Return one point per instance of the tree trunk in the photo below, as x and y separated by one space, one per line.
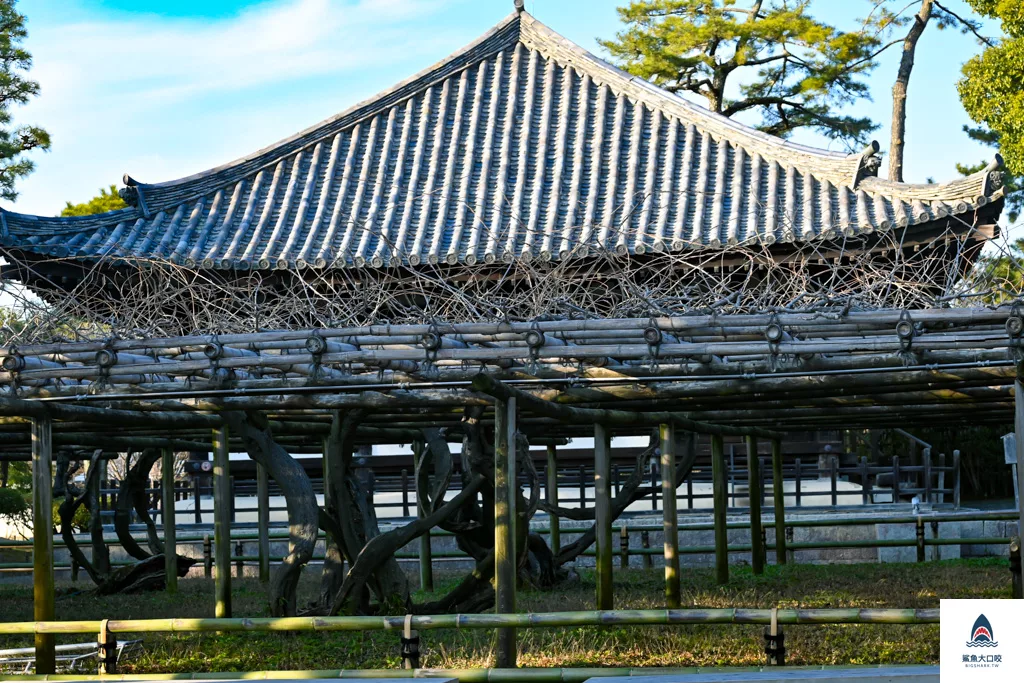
132 497
899 91
300 502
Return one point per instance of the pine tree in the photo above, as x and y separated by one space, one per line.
15 89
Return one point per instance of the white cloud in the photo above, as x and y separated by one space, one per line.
165 97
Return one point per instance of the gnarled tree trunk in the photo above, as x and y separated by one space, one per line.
300 502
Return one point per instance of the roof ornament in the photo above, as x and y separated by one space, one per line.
994 179
868 163
131 194
520 6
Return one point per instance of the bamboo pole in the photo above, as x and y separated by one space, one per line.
603 516
721 502
504 533
779 497
660 617
754 492
169 518
222 522
551 493
263 521
670 516
42 533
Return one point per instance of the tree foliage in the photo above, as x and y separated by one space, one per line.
106 200
796 71
991 89
15 89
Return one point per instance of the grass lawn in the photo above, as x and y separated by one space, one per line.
864 585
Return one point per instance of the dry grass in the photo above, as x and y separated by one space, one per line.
867 585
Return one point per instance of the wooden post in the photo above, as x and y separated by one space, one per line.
222 522
895 479
603 515
833 476
645 543
1016 583
721 504
754 494
670 515
583 486
426 562
920 539
551 493
940 480
865 486
654 488
263 521
405 493
624 547
797 481
779 497
927 497
169 519
1018 415
504 530
198 495
42 534
956 480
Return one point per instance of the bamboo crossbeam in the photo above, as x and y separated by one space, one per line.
488 385
486 621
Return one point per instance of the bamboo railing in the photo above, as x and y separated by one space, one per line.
422 622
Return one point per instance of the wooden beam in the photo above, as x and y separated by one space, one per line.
603 515
426 561
222 522
42 534
779 497
504 531
671 516
721 502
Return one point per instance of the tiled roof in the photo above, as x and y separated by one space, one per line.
522 145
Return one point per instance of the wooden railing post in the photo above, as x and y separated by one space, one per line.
623 547
42 535
833 475
895 479
865 480
797 480
1016 583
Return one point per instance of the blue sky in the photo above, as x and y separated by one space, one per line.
165 89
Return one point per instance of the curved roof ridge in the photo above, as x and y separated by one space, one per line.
541 35
162 195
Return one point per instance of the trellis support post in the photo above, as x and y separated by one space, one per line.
504 527
551 493
754 493
263 521
670 518
222 522
42 533
779 497
169 519
721 504
603 515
